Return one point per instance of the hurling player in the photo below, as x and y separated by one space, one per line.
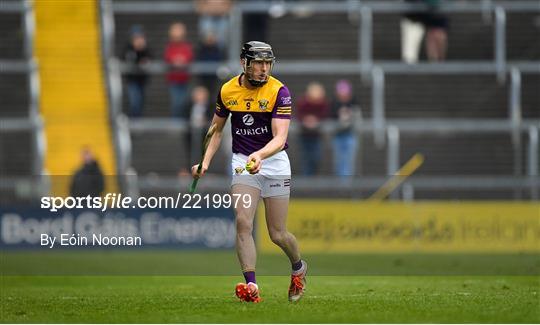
260 110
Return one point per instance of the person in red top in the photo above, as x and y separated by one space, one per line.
313 108
178 54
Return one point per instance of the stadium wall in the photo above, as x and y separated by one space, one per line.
397 227
322 226
23 228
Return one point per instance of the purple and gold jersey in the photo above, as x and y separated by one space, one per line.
252 111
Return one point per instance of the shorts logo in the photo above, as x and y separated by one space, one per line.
263 104
239 170
248 119
287 182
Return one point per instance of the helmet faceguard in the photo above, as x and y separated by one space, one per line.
256 51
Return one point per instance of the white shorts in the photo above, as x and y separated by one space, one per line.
274 178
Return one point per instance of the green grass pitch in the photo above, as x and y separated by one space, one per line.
209 299
363 288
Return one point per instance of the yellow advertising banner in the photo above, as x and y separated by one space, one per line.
366 227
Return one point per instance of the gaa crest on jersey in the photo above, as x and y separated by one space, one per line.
263 104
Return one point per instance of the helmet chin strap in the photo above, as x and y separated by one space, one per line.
257 83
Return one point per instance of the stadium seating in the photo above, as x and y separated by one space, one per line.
438 96
15 146
446 96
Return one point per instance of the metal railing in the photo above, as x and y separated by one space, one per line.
118 121
393 132
500 42
514 104
28 66
532 154
532 183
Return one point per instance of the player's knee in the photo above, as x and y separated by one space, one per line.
278 237
244 226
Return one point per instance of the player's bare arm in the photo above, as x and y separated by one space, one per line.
212 146
280 130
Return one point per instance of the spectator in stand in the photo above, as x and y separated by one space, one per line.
88 179
136 54
311 110
178 54
209 52
346 111
200 115
432 23
200 109
214 19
